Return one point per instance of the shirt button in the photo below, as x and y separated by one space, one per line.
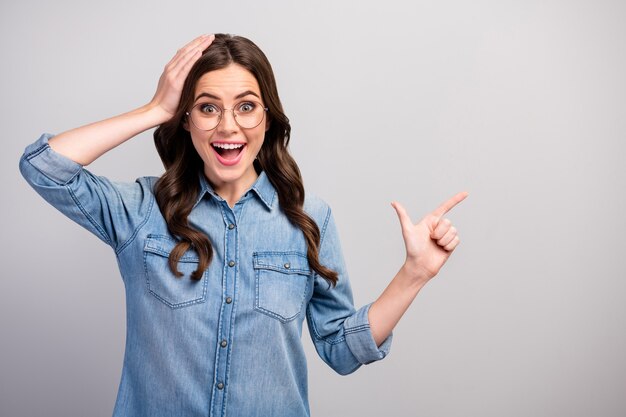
220 386
231 226
231 263
229 300
223 343
287 265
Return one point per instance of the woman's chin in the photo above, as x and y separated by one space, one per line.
233 176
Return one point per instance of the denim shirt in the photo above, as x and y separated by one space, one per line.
228 344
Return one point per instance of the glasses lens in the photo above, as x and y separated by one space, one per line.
248 114
205 116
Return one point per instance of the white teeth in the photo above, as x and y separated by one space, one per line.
227 145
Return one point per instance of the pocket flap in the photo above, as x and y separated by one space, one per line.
285 262
163 245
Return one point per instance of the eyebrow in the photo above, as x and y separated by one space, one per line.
240 95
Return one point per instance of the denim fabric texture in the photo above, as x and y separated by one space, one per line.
230 343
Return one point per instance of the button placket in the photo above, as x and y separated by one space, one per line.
228 287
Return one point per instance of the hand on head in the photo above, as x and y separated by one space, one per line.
172 79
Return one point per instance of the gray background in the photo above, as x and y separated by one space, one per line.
523 104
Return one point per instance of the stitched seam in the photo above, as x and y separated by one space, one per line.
259 264
220 322
233 314
313 326
143 222
322 236
357 329
290 271
324 227
274 315
199 198
36 152
91 219
260 195
170 304
32 155
186 258
317 334
257 303
273 198
287 252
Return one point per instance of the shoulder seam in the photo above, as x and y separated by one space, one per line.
141 224
323 231
88 216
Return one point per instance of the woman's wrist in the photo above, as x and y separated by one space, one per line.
155 113
414 273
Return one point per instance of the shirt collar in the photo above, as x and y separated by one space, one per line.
265 190
262 187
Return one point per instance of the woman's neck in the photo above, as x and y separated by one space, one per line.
233 191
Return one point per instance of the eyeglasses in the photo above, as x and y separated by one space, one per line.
207 116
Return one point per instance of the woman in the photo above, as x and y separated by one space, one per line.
223 257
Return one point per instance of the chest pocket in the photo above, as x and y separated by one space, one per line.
281 285
173 291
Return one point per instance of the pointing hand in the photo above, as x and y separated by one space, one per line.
430 242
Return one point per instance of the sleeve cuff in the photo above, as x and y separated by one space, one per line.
360 340
55 166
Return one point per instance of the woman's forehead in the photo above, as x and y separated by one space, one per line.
227 83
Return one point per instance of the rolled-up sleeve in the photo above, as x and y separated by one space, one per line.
111 211
341 334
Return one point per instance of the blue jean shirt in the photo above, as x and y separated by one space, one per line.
230 343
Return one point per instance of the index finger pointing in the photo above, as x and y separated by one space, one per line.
448 205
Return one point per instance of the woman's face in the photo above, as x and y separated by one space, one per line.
229 150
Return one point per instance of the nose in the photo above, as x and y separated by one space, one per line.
228 122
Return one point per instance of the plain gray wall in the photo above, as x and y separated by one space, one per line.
521 103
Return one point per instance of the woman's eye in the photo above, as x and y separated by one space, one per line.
208 109
246 107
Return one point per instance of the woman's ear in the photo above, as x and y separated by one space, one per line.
267 125
185 124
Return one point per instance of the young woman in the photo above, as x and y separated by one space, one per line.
223 256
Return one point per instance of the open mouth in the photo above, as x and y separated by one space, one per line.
228 153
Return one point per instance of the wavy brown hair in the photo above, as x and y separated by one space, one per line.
177 189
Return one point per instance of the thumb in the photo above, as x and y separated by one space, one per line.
403 216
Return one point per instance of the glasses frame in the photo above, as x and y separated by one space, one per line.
223 111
